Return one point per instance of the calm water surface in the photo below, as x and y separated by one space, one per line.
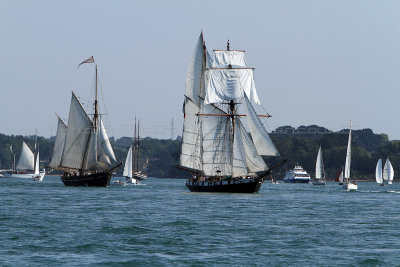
160 223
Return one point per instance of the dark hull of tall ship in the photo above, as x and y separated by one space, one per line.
249 185
100 179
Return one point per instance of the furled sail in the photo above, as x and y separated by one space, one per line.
216 142
378 172
77 138
191 137
348 157
26 160
128 164
59 144
319 165
261 139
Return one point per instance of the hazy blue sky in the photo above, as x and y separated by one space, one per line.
316 62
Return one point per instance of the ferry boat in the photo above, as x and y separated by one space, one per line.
297 175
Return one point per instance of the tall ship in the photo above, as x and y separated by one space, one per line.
82 149
217 149
297 175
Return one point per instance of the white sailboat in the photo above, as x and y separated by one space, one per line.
347 183
37 174
378 173
28 163
319 170
128 168
388 172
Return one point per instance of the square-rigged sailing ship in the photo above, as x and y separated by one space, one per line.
216 147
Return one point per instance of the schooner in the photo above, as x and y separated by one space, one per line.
216 147
82 148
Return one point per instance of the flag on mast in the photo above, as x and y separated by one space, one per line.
89 60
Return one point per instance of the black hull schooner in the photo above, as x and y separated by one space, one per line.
82 149
101 179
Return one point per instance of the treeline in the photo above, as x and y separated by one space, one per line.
160 157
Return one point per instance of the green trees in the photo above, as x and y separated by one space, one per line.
159 158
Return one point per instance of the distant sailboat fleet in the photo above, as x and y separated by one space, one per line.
221 151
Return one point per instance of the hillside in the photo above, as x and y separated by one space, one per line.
299 145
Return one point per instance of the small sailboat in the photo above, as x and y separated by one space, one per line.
378 173
319 170
82 148
348 184
27 163
388 172
128 168
216 148
138 174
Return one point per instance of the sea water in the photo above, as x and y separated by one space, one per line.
161 223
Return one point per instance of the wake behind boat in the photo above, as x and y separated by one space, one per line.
216 147
82 148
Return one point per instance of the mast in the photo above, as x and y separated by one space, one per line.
96 114
134 149
138 147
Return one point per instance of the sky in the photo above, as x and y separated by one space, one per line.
316 61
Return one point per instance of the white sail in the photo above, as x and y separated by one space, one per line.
105 142
348 157
261 139
90 160
216 142
230 84
388 171
59 144
194 75
78 133
341 177
36 170
128 164
391 173
319 165
254 161
191 137
224 58
378 172
26 160
239 166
